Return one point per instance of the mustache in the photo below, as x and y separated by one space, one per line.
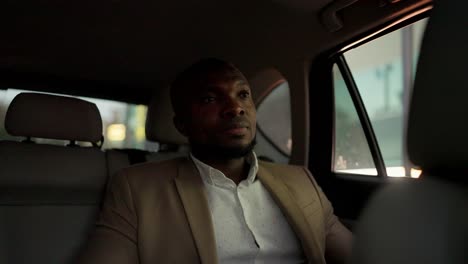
237 122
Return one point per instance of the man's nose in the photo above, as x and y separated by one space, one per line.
233 109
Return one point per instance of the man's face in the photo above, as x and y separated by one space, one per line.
221 114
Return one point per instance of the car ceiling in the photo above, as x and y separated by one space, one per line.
122 49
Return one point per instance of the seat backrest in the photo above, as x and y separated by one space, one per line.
426 220
49 194
160 128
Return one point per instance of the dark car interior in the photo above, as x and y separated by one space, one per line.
305 62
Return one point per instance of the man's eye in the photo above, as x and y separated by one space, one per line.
245 94
208 99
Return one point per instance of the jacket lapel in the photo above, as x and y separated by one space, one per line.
280 193
191 190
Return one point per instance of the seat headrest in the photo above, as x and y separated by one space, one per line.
263 82
437 130
53 117
159 125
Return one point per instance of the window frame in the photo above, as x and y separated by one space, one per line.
321 70
363 117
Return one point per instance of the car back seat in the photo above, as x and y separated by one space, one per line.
49 194
160 128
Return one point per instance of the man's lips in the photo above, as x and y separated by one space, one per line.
236 129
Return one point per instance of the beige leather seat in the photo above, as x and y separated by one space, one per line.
49 194
160 128
426 221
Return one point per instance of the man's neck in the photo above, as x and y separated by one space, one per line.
235 169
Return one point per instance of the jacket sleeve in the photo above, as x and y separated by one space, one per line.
114 239
338 244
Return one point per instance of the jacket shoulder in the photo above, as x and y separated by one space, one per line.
281 169
160 171
297 178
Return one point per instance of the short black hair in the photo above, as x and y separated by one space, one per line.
186 78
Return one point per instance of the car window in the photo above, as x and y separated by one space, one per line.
274 120
351 153
123 123
383 71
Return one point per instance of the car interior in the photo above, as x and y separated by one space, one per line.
361 92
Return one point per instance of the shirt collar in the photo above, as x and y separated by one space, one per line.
213 176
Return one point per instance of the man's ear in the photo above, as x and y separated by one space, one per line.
180 125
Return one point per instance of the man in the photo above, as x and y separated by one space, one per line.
220 204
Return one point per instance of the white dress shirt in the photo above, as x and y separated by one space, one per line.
248 225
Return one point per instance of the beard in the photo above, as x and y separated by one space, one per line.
222 152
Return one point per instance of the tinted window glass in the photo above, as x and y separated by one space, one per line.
352 153
383 71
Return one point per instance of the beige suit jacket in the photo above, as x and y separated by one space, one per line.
158 213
